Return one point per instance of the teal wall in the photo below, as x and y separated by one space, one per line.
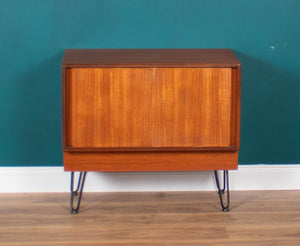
265 35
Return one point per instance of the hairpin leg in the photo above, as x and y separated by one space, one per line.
221 191
79 189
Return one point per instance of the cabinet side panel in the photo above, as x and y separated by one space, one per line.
236 107
110 107
64 90
67 113
191 107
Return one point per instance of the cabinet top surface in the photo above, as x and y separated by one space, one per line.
150 58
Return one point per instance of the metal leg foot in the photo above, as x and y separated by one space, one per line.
221 191
78 191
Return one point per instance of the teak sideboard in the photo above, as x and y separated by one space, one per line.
139 110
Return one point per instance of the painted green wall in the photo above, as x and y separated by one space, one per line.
265 35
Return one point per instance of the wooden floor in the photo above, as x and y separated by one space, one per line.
151 219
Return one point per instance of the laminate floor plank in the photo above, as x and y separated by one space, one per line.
151 219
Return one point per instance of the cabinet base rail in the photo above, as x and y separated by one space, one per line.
79 190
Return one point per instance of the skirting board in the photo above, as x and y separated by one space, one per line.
54 179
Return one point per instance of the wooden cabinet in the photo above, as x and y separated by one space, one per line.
151 110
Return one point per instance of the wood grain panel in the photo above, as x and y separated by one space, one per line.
110 107
191 107
148 107
150 161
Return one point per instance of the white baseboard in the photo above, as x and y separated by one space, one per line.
54 179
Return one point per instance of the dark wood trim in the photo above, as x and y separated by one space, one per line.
64 95
207 65
238 106
65 112
235 108
150 58
68 105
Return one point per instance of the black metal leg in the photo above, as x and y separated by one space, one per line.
221 191
79 189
